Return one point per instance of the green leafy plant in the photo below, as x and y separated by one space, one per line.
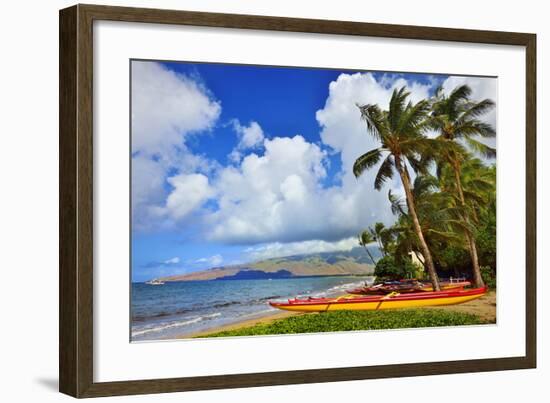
489 277
387 268
356 320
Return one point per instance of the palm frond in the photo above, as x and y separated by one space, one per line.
480 148
378 228
453 102
384 173
429 148
445 236
374 118
436 122
418 164
424 184
397 105
477 109
413 119
480 183
397 204
461 225
438 93
474 128
365 238
475 197
366 161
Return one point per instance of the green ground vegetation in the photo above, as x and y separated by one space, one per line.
356 320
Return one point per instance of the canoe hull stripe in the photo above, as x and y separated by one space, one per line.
381 303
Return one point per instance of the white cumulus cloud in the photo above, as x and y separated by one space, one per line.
189 193
147 190
167 107
250 137
174 260
278 249
215 260
280 195
270 196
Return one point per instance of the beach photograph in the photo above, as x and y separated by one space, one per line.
278 200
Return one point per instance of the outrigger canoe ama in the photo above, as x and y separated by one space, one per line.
405 287
448 286
379 302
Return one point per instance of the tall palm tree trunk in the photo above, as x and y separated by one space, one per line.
478 280
416 223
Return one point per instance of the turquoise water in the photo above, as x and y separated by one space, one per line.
181 308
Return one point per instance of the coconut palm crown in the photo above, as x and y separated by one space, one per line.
456 117
366 238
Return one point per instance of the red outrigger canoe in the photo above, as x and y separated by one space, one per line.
378 302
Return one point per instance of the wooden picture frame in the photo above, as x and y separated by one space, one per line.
76 199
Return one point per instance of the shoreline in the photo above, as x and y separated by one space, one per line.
484 308
242 324
259 313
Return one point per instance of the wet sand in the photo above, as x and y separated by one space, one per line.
484 307
246 323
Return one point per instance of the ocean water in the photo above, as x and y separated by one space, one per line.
183 308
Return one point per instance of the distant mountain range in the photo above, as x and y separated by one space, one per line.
342 263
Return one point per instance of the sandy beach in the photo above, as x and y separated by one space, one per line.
484 307
246 323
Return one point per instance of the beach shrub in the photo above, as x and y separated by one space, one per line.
486 239
453 260
356 320
489 277
388 269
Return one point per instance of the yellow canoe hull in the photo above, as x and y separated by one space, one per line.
358 304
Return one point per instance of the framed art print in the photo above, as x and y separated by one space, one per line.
251 200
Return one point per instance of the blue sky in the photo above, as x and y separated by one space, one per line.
235 163
276 104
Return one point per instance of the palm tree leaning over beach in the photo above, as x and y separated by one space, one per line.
455 118
478 184
382 236
365 238
435 215
400 131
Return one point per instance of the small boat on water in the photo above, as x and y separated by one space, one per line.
393 300
155 281
407 286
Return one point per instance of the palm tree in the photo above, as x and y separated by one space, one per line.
365 238
478 189
455 117
400 131
478 185
435 214
380 234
